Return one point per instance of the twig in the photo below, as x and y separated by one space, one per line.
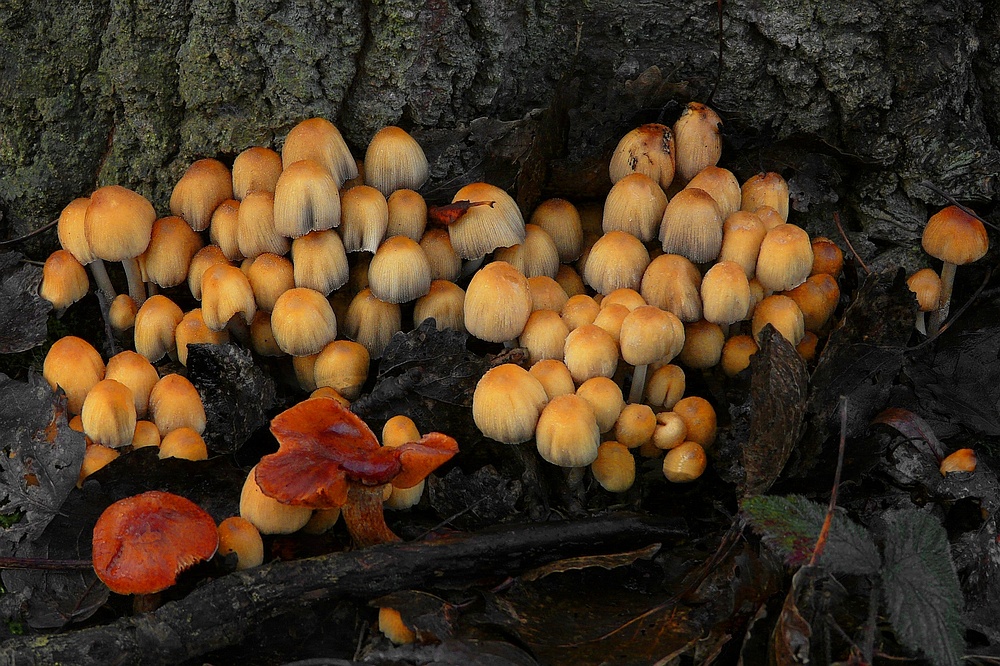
840 228
950 199
44 564
29 235
824 533
224 611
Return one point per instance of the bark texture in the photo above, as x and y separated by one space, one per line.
857 104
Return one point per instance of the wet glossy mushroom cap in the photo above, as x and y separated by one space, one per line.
142 543
64 280
567 434
554 377
497 303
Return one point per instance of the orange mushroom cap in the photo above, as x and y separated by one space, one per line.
141 543
323 448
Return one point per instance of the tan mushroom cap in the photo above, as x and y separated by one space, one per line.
497 303
722 185
255 169
155 324
616 261
590 351
484 228
781 312
118 223
648 335
238 535
445 262
665 387
692 226
175 403
306 199
605 398
766 190
318 139
364 214
561 220
319 261
400 271
647 149
567 434
64 280
407 214
554 377
507 402
699 140
635 205
303 322
204 185
172 244
343 366
725 293
785 258
926 286
445 303
372 322
544 335
614 467
394 160
73 364
671 282
108 414
536 256
136 372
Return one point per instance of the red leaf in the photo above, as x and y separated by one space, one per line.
451 213
913 427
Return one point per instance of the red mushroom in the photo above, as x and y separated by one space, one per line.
141 543
328 457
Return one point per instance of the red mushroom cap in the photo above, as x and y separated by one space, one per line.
323 448
141 543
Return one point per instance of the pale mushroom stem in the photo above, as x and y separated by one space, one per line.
947 284
102 279
362 514
638 384
136 289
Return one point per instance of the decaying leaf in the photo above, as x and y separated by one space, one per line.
236 393
912 427
430 376
791 526
921 589
41 456
862 357
602 561
778 395
23 312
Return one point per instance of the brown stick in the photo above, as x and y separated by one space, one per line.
222 612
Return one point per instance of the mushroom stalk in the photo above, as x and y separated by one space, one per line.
102 279
136 288
947 284
638 383
363 516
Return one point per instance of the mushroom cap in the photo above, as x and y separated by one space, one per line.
546 293
445 303
238 535
343 366
827 257
544 335
692 225
742 234
614 467
64 280
72 230
537 255
765 189
665 387
554 377
319 261
175 403
141 543
590 351
955 237
318 139
725 293
497 302
226 291
255 169
155 326
783 313
255 230
394 160
567 434
561 220
671 282
223 230
303 322
108 414
647 335
192 331
76 366
647 149
270 275
407 214
635 425
722 185
364 218
445 262
785 258
605 398
172 244
703 342
699 419
205 185
323 448
507 402
635 205
118 223
136 372
205 258
483 229
305 199
579 310
267 514
818 298
616 261
372 322
699 140
685 463
926 286
400 271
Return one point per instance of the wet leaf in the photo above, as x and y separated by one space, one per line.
921 589
960 383
236 393
913 428
431 617
777 394
41 456
603 561
23 312
791 525
790 642
475 500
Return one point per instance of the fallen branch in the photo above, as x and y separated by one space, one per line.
222 612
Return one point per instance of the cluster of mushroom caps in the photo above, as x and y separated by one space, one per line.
683 265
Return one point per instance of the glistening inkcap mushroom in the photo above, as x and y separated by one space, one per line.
328 457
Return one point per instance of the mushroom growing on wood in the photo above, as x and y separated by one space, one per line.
328 457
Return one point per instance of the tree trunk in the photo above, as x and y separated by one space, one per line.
857 104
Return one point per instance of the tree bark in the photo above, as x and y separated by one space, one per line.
857 105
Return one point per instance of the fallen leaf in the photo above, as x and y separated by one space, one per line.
23 312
